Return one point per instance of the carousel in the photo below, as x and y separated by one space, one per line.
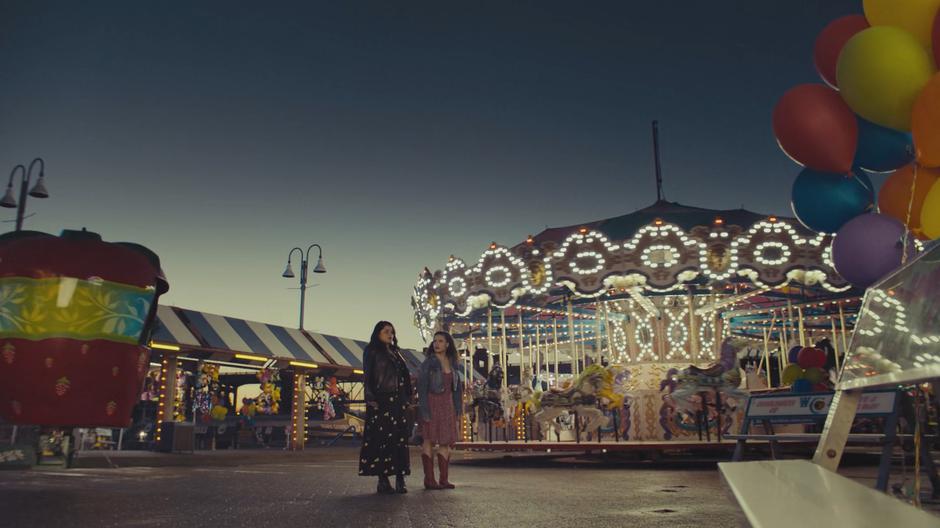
617 327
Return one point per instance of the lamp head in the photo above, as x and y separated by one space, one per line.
39 190
8 200
319 268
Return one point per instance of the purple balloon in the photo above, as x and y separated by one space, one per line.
793 354
868 247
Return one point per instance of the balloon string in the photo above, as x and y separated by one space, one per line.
860 182
907 219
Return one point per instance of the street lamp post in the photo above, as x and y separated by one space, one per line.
304 259
38 190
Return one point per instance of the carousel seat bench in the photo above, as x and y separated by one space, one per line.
769 492
860 438
812 438
774 440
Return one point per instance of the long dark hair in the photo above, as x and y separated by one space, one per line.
376 344
451 346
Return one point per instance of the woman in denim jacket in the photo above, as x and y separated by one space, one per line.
439 403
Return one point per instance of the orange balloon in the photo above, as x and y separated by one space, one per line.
895 195
925 123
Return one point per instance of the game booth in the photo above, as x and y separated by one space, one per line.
232 383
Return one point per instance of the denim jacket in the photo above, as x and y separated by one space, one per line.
431 380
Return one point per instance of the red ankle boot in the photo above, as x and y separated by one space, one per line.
443 463
429 482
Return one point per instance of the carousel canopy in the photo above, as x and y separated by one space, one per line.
653 283
684 216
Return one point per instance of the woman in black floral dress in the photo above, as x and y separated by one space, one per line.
388 394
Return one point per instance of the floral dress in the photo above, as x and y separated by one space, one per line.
441 429
384 444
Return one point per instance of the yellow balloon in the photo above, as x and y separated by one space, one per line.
792 373
881 70
930 214
913 16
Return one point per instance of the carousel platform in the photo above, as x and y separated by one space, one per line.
725 446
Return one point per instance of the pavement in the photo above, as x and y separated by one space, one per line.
319 487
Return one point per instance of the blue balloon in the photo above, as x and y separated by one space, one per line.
824 202
802 385
882 149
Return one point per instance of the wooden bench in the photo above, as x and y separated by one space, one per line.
788 493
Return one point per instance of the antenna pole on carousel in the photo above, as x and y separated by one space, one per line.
659 172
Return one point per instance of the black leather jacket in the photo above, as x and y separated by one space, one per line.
382 367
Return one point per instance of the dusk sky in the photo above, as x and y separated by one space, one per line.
221 134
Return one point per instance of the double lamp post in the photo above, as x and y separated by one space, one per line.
38 190
304 264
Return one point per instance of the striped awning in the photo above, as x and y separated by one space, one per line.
220 337
171 329
343 351
413 359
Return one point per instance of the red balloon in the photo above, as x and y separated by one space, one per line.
811 357
821 387
816 128
829 44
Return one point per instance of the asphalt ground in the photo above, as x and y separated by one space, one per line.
323 489
320 487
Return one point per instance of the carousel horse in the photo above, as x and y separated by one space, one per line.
693 388
723 376
595 385
518 396
540 381
488 398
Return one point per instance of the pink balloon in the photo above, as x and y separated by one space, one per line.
829 44
816 128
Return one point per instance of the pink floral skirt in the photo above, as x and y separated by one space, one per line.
442 428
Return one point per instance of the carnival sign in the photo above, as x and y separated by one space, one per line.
813 406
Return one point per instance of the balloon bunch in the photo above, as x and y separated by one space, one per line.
247 411
218 411
879 112
268 402
806 371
